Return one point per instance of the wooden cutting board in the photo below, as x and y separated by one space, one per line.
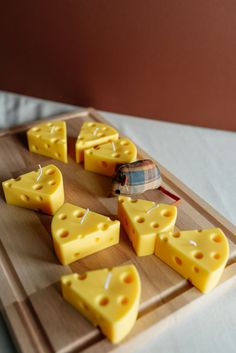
38 317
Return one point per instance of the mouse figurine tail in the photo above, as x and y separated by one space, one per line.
174 197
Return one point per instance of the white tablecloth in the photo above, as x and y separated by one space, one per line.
205 160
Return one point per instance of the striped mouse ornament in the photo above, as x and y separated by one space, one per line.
138 177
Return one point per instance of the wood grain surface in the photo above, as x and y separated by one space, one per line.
38 317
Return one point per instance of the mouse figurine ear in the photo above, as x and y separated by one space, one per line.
119 180
119 176
124 180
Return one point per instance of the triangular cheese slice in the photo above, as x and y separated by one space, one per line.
104 159
78 232
93 134
109 299
41 190
198 255
49 139
143 220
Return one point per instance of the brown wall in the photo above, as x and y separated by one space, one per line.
172 60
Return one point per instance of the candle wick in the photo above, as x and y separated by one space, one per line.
95 131
40 172
154 206
52 129
84 216
113 146
108 279
192 242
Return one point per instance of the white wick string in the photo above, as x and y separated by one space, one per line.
154 206
113 146
95 131
52 129
192 242
40 173
106 284
84 216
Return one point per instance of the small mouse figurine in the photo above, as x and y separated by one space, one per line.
138 177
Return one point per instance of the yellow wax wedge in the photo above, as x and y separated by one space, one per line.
49 139
143 220
107 298
199 256
41 190
78 232
93 134
104 159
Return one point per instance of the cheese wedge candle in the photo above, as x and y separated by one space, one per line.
93 134
199 256
49 139
113 308
41 190
143 220
104 159
78 232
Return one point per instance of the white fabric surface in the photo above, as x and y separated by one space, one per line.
205 160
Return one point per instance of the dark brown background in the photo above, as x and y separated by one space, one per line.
172 60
